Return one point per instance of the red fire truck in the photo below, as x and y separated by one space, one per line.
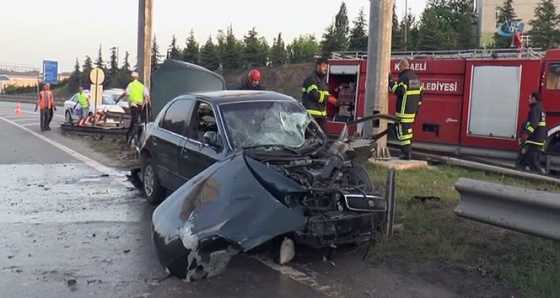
474 101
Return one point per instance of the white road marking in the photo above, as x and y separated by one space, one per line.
284 270
300 277
37 113
29 124
90 162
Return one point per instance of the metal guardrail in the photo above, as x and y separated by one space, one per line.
523 210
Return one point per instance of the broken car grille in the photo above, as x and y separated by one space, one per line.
358 202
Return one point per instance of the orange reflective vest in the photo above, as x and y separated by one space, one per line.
45 103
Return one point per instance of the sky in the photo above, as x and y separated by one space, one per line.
63 30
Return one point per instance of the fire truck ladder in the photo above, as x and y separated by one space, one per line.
526 53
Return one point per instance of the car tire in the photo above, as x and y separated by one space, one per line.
359 173
154 191
68 117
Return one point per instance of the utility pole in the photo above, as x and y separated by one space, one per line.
145 40
378 67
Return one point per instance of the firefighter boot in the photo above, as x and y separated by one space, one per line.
406 153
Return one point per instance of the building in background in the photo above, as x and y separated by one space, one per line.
23 80
488 15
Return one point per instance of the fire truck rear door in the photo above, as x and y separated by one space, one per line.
494 101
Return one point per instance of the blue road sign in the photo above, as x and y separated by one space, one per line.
50 72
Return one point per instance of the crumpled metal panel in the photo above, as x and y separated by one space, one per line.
523 210
227 200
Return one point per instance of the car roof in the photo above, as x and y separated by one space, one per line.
228 96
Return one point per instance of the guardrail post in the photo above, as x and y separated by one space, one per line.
390 194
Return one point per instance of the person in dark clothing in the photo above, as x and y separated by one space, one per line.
315 92
253 81
409 92
533 134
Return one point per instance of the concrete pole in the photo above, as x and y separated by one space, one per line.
144 47
378 67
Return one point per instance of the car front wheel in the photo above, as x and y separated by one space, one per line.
153 189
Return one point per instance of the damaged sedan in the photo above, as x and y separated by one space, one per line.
246 169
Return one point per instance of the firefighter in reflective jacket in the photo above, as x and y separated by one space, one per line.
315 92
533 134
409 97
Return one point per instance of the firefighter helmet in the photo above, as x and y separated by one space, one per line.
254 75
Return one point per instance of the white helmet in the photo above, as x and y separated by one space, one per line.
134 74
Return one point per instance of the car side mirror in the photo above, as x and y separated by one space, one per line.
211 138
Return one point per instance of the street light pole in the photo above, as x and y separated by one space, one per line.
405 22
144 46
378 66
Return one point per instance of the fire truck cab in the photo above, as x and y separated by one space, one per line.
474 103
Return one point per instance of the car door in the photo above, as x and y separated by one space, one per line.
170 141
197 154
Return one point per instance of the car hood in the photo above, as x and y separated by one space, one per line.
229 200
174 78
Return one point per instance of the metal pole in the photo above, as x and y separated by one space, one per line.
405 22
144 40
378 67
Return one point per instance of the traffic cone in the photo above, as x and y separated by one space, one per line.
18 109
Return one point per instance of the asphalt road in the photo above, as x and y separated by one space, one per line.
73 227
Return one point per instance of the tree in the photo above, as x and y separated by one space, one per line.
209 58
87 68
506 13
358 40
303 49
174 51
251 49
278 52
124 72
446 25
397 42
192 50
409 31
232 51
114 62
155 54
99 63
336 36
75 79
544 27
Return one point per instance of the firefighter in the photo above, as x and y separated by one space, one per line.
253 81
409 91
315 92
533 134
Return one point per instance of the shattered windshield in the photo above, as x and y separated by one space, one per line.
267 124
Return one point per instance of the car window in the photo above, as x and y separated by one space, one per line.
107 100
176 116
74 98
203 120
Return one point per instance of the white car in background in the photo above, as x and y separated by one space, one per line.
114 93
107 105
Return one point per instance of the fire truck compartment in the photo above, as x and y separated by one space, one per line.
493 111
343 81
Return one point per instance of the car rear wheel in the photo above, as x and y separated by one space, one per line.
153 189
68 117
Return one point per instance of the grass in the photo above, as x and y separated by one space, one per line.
432 232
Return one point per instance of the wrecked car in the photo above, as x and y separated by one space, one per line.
246 168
